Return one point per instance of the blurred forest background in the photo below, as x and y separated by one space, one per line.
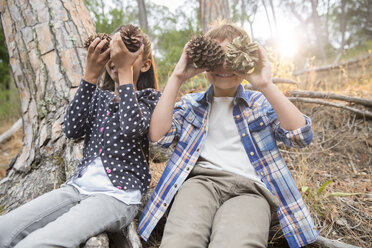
327 56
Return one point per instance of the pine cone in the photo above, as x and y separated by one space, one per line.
242 54
205 52
132 37
102 36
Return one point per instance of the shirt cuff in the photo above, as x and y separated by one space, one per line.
299 137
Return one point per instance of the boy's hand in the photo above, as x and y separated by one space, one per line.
184 69
260 78
96 60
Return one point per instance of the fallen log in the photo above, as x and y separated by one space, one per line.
283 81
9 133
333 66
358 112
323 95
329 243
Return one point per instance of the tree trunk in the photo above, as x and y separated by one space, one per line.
268 18
274 15
320 39
211 10
142 15
45 45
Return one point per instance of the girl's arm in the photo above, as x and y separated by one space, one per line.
77 116
161 120
288 114
135 108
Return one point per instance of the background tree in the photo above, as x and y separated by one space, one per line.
142 15
45 46
211 10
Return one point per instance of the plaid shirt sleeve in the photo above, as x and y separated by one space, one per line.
300 137
174 132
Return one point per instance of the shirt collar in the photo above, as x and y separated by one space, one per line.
207 96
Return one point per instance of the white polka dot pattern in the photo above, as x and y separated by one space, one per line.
114 130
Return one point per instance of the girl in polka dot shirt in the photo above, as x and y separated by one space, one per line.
105 191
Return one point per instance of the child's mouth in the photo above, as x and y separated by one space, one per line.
225 75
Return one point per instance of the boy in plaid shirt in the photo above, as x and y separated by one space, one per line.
226 174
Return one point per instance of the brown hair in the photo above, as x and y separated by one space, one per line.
224 29
147 79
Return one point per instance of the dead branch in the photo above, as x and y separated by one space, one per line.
333 66
317 94
283 81
9 133
329 243
358 112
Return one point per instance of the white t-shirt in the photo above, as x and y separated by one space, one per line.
95 180
223 148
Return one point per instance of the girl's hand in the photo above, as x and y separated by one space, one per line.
260 78
185 69
96 61
122 58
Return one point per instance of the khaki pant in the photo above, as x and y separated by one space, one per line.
219 209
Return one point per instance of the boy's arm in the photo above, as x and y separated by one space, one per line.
290 125
289 115
161 120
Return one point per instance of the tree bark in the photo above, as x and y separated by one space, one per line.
211 10
45 45
142 15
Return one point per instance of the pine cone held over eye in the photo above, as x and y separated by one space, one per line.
242 54
102 36
205 52
132 37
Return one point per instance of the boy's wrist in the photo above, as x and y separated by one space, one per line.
266 88
176 80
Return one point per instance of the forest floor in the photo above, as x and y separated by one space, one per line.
333 174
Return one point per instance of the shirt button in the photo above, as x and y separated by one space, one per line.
261 123
101 129
100 150
175 185
252 153
187 168
108 171
108 112
243 134
197 149
237 117
190 118
165 204
262 174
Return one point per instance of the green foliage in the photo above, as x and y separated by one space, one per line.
4 62
316 197
9 98
10 105
107 18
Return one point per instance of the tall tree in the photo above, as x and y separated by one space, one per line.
45 46
142 15
268 17
274 15
211 10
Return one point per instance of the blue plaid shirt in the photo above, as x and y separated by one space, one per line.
258 127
